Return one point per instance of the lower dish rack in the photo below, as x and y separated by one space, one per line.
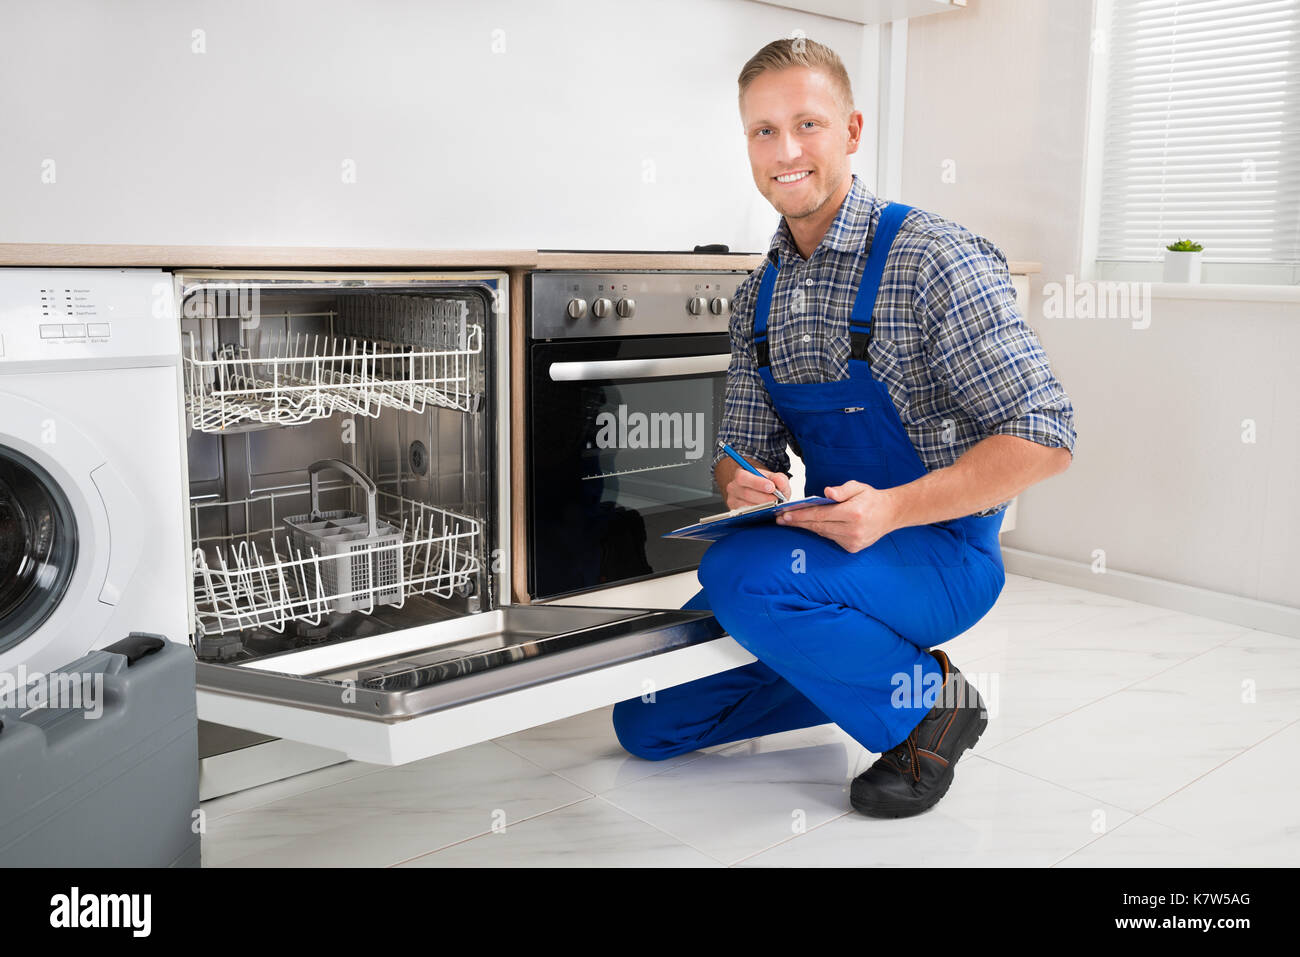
303 566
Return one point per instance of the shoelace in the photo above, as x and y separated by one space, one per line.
906 755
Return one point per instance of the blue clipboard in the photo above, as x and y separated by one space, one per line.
723 524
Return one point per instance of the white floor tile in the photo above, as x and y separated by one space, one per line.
391 815
277 790
1139 745
1248 806
591 833
1031 681
1027 611
992 816
584 749
751 796
1139 842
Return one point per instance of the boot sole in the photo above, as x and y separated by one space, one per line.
896 809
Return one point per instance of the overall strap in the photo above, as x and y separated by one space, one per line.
763 306
891 217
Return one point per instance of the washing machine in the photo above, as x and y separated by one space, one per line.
93 531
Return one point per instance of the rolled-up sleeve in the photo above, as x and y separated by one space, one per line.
749 423
981 346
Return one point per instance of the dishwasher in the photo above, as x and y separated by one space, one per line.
347 445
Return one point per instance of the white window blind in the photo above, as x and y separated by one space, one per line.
1202 130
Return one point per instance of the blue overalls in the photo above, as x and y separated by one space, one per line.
840 637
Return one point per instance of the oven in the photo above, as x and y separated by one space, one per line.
625 380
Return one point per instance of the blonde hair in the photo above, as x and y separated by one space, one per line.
799 51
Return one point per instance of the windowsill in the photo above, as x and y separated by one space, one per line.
1242 282
1240 292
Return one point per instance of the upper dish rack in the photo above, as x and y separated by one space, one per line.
381 352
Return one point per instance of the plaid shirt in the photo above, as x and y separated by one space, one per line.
948 340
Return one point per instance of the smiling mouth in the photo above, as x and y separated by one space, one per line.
787 179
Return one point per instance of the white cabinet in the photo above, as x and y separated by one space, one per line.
870 11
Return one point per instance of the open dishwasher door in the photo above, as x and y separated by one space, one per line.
349 480
414 693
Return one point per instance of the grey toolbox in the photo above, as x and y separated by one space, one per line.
112 782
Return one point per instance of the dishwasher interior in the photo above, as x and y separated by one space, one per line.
340 454
348 458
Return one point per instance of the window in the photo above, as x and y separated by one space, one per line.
1199 106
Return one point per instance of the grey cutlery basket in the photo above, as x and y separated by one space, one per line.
360 564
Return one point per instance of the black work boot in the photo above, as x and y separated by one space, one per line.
911 776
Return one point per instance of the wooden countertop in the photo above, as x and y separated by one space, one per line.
320 257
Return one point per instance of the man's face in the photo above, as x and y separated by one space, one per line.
795 124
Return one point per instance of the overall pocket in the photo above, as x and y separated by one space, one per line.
848 427
840 438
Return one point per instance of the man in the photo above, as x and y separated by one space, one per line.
884 345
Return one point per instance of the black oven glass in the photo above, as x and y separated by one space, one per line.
616 462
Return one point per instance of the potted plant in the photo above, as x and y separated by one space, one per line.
1183 261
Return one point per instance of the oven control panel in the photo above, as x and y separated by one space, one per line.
586 305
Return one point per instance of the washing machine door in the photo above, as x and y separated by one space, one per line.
63 563
38 547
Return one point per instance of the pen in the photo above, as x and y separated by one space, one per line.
749 468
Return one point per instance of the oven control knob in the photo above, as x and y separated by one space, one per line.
577 308
626 308
695 305
600 308
720 305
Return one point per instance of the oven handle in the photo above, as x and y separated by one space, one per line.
638 368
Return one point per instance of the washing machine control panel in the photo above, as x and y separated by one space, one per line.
115 316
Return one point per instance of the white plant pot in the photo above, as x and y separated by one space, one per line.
1182 267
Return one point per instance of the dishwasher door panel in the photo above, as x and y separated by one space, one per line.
411 694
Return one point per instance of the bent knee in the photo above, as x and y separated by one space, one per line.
715 566
636 733
744 559
752 563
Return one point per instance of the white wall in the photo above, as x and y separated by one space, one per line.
597 124
1161 479
545 145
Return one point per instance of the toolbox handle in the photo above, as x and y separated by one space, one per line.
136 645
361 478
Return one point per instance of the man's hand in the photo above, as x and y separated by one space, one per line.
740 488
860 517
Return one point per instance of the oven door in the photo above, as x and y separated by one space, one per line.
619 448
